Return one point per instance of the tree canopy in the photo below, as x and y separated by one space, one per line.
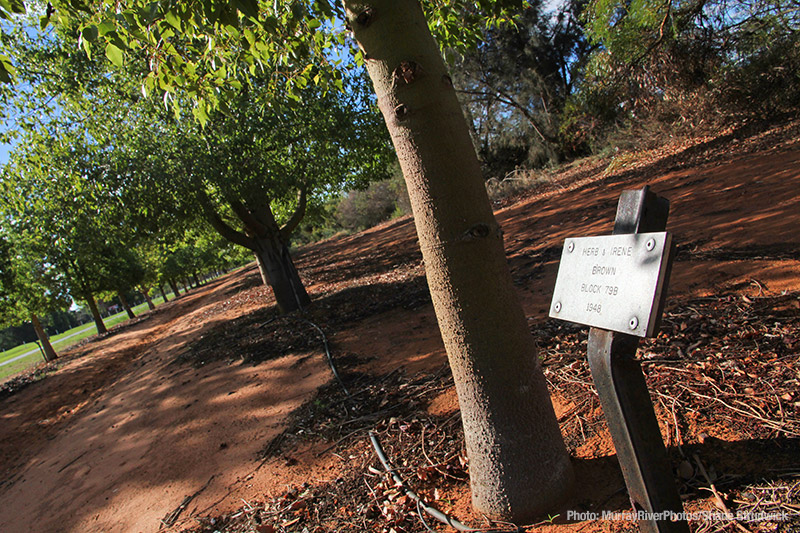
515 84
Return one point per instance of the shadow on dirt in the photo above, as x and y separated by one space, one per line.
429 449
734 467
260 335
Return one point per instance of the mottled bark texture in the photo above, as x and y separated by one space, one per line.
278 271
519 466
146 293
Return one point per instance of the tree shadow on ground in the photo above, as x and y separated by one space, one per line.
263 334
735 468
397 408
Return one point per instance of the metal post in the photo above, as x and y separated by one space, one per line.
623 393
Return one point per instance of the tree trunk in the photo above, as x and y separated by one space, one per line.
163 293
98 320
174 286
278 271
196 279
44 340
519 466
126 305
146 293
267 241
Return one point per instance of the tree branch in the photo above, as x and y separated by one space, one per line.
221 227
504 99
250 221
297 216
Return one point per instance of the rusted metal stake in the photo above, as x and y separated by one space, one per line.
623 393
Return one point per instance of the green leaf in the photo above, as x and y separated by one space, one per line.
13 6
250 36
114 54
173 19
5 75
200 113
87 47
106 26
90 32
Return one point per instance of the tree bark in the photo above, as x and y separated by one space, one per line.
519 466
268 243
196 279
174 287
49 353
278 271
163 293
126 305
146 293
98 320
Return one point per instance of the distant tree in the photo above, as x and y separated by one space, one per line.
122 274
685 63
515 83
29 289
56 200
252 169
364 208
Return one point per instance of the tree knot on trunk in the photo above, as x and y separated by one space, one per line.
365 17
407 71
479 231
401 111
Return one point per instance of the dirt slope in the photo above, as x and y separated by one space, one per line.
170 415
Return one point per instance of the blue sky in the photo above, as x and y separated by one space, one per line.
4 149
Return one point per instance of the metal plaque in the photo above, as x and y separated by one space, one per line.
613 282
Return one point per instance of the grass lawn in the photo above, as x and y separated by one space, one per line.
61 341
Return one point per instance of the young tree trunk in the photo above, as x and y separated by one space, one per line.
278 271
126 305
163 293
98 320
146 293
519 466
174 286
44 339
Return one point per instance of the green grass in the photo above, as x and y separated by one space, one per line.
60 342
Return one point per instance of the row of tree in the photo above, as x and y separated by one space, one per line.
109 190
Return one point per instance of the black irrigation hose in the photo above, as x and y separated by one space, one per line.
437 514
324 343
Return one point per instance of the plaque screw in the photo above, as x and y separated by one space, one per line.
650 245
634 323
571 247
557 307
